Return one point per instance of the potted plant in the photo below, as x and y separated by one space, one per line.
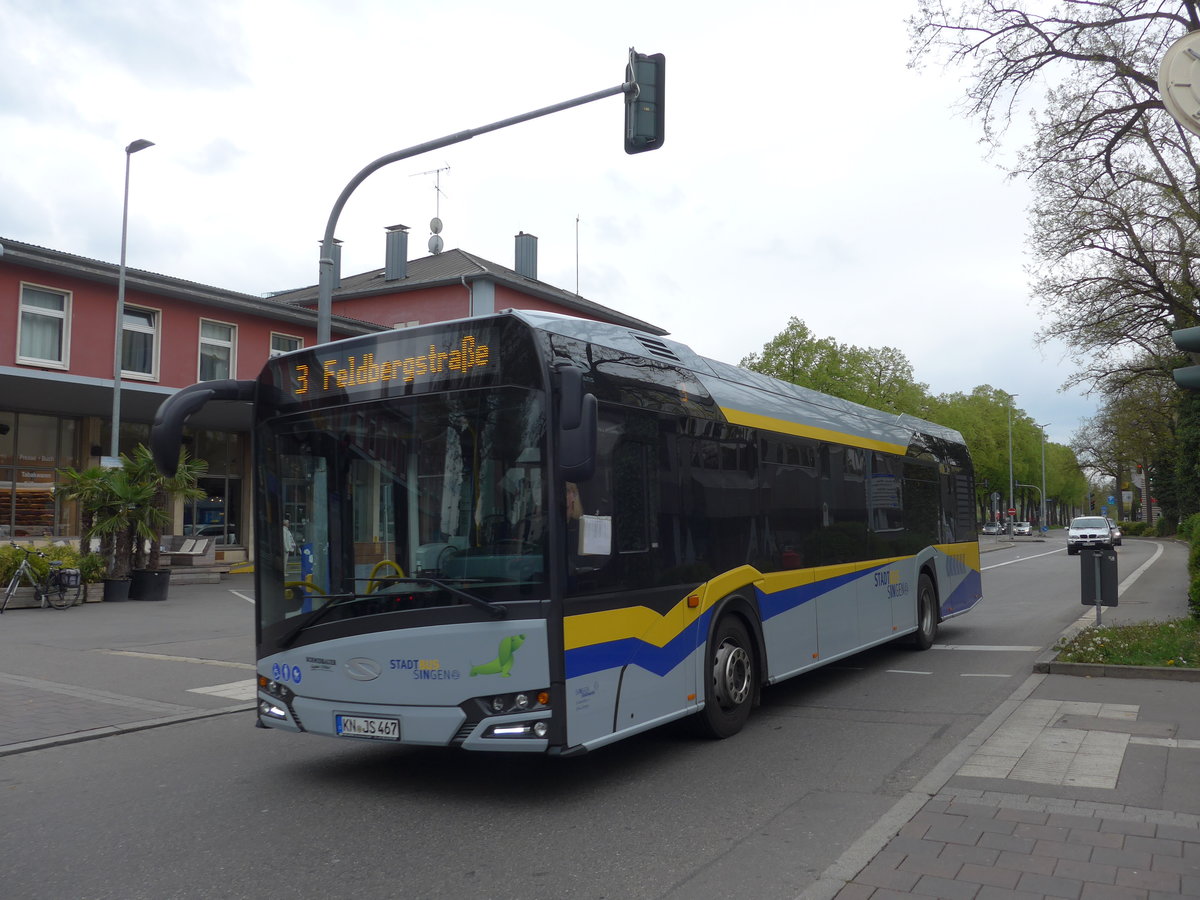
149 580
126 508
115 520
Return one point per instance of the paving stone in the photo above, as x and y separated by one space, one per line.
993 875
1150 880
944 888
1050 885
1157 846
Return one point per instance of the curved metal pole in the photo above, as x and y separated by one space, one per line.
325 280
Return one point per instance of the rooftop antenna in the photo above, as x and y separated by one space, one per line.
435 224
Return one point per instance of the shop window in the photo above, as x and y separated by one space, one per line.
32 448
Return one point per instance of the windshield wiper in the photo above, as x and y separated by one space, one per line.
492 609
335 600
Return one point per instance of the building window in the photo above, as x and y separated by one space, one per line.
217 348
284 343
139 332
43 327
32 450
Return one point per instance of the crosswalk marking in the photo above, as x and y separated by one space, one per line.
235 690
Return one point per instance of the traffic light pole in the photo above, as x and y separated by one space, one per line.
325 282
643 131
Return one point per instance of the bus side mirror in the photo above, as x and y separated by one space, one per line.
577 418
577 446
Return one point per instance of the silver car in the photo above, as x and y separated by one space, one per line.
1089 531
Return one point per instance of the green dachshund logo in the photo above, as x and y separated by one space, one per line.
502 664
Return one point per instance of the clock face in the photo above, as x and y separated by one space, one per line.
1179 81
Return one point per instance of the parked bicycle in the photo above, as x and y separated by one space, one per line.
60 587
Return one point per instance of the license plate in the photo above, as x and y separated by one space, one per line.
368 727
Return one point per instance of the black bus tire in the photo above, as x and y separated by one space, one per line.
927 613
731 681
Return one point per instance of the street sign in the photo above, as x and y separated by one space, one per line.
1011 511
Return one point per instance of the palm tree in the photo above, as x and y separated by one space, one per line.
153 517
116 517
83 487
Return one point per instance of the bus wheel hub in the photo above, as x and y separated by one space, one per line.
731 675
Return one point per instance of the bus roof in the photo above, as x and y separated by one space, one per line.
750 398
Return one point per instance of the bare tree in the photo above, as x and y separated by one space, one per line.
1115 222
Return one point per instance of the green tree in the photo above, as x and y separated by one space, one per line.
881 378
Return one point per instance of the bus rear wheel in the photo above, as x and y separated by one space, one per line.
732 680
927 616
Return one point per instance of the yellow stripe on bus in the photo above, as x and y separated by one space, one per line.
783 426
645 624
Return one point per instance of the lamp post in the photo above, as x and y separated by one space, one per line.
1011 499
1044 524
118 343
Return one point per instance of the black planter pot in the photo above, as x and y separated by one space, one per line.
116 589
149 584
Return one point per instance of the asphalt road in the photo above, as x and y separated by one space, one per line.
216 808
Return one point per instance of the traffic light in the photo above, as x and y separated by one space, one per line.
1188 340
644 126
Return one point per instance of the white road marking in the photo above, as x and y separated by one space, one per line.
907 672
1020 559
249 600
235 690
187 659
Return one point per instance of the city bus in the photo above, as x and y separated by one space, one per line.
532 532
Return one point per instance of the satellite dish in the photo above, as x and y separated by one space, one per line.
435 243
435 225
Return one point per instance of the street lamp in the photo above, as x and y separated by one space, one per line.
1045 525
118 343
1011 498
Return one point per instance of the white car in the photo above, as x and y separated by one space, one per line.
1023 528
1090 531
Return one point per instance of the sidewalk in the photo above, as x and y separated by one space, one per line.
105 668
1076 787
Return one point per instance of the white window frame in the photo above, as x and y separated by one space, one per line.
291 337
64 317
231 344
155 331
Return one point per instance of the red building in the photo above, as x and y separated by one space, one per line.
57 339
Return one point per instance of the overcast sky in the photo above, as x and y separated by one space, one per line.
806 171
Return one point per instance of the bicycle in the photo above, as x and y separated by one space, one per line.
59 588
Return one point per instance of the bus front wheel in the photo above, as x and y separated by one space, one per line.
927 614
731 681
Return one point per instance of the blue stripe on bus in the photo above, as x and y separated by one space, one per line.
661 660
966 595
777 602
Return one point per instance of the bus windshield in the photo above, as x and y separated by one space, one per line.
402 506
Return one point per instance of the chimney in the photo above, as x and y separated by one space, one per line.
526 255
395 266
